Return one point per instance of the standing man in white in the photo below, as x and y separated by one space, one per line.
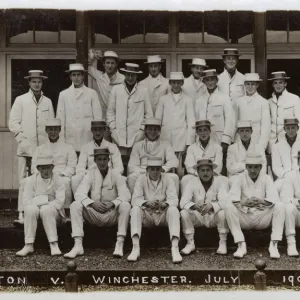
77 106
231 81
27 121
156 84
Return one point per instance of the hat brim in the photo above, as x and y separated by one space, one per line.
196 126
195 167
116 58
209 76
257 80
24 155
205 66
108 154
279 78
127 71
237 55
68 71
43 77
291 124
154 62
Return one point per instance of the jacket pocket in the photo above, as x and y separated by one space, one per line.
217 110
87 109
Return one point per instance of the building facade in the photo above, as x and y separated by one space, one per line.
51 39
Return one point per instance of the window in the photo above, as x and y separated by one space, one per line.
277 27
156 28
216 27
240 27
41 26
190 27
294 27
131 28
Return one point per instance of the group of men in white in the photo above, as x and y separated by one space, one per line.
219 124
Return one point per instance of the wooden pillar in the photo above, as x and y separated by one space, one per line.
82 39
260 49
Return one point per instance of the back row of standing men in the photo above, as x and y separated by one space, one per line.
128 107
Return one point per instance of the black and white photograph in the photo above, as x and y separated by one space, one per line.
149 150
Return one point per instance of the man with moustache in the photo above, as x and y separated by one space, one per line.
27 120
156 85
77 107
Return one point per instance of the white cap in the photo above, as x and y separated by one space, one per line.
76 67
53 122
176 76
244 124
152 59
110 54
198 62
154 161
44 160
252 77
253 159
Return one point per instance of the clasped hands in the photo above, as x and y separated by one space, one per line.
102 207
204 209
255 202
156 204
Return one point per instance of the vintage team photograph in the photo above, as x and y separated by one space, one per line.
149 150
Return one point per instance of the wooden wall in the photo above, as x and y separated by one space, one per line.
8 161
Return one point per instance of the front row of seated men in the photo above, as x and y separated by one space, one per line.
252 202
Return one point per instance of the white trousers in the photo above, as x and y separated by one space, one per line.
119 215
75 181
131 179
193 218
68 193
50 217
185 180
292 219
259 219
21 168
169 217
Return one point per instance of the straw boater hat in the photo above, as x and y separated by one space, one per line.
153 59
44 161
111 54
291 122
53 122
254 77
131 68
35 74
76 67
231 52
204 162
278 75
176 76
100 151
254 159
198 62
244 124
209 73
200 123
154 161
98 123
152 121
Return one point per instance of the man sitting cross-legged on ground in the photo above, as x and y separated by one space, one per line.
151 146
202 203
154 203
109 203
254 204
44 197
86 161
204 148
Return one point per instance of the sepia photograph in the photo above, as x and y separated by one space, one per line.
145 150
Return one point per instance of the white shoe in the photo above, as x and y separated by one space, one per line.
20 221
222 248
76 251
135 254
118 249
176 257
27 249
273 250
292 250
188 249
54 249
241 251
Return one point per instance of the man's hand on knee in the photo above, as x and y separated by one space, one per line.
99 207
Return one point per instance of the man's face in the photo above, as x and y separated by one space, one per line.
53 132
197 71
154 69
131 78
46 171
203 132
110 66
279 85
77 78
205 173
101 161
230 62
152 132
253 170
176 86
36 84
154 172
98 132
251 87
245 133
291 130
211 82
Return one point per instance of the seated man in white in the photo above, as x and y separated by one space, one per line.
109 203
151 146
202 203
154 203
86 161
284 152
64 159
290 196
44 197
204 148
253 204
236 155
